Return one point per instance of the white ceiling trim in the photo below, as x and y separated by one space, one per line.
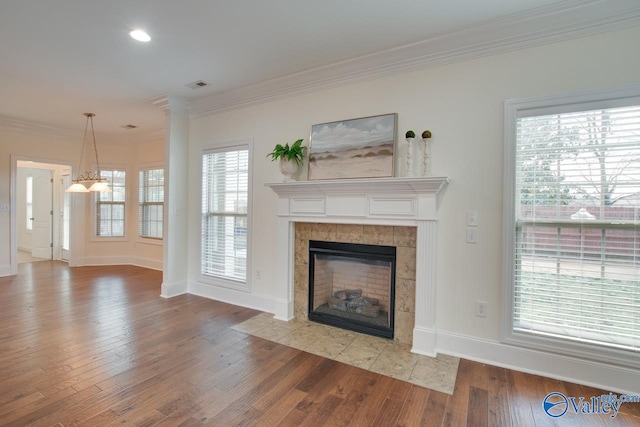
557 22
33 128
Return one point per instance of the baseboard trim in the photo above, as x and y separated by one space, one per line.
283 309
118 260
232 296
5 270
424 341
153 264
609 377
92 261
170 290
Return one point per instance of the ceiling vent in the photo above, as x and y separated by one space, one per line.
129 126
197 85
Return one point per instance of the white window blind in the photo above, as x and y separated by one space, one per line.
577 227
151 203
225 181
110 206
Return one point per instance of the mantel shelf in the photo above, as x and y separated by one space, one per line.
403 185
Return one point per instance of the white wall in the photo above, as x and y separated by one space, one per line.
129 249
126 152
462 104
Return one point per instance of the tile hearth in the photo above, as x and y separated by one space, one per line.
374 354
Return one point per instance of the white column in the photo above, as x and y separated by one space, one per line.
424 331
175 259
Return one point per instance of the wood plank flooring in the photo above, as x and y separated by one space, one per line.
97 346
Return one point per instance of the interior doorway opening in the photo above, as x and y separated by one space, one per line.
42 211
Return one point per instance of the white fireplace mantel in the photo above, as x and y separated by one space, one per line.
383 201
379 201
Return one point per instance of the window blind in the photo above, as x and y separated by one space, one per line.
151 203
110 206
577 217
224 213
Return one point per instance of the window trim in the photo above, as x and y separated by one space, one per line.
228 145
514 109
127 202
159 241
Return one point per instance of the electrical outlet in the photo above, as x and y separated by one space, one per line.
481 309
4 208
258 274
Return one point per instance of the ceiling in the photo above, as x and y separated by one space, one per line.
65 57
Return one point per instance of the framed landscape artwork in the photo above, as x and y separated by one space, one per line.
356 148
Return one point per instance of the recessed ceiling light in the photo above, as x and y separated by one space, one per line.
140 35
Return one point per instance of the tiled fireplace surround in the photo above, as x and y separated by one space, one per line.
399 212
403 238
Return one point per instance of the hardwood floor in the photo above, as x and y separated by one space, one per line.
98 346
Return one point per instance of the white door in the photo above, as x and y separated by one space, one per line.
41 236
64 217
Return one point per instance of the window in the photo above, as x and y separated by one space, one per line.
29 203
225 195
574 224
110 206
151 203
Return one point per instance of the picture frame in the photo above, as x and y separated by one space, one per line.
354 148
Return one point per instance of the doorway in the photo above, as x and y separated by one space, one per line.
42 211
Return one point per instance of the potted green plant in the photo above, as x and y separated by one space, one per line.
290 156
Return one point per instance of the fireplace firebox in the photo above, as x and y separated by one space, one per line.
352 286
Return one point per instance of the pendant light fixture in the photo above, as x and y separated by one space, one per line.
97 182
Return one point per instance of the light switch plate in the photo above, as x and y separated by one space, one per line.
472 218
472 235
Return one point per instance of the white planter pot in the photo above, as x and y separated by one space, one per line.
289 168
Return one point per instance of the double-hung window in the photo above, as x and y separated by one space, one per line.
572 224
110 206
225 202
151 203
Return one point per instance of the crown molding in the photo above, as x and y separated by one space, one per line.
171 104
552 23
34 128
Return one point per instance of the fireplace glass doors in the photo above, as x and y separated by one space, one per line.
352 286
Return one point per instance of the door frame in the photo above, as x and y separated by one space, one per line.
56 204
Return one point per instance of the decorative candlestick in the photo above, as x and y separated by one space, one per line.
426 161
409 138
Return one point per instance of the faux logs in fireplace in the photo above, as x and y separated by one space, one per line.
352 286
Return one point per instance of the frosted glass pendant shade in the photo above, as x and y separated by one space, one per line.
99 186
77 188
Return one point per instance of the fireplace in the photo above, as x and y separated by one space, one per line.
352 286
369 211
